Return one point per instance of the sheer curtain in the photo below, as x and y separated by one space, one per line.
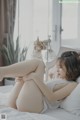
41 19
33 19
24 23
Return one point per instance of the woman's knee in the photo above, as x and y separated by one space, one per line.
37 61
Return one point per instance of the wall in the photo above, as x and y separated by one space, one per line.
67 49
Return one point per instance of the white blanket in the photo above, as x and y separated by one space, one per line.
13 114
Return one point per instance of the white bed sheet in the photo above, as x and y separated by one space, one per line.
13 114
59 114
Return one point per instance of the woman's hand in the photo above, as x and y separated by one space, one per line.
28 77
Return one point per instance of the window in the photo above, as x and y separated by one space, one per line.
69 23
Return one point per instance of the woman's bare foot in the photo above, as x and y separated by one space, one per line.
19 79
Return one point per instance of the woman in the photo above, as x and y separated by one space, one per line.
29 90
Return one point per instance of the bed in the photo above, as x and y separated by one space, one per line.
57 114
61 114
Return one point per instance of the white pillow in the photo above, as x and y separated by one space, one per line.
72 102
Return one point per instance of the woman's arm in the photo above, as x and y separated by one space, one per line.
49 94
59 86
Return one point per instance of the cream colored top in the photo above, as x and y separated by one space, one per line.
51 84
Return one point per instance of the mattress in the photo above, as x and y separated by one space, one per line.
57 114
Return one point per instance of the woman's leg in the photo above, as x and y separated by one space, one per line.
39 72
15 92
19 69
30 98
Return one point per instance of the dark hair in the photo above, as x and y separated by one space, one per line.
71 61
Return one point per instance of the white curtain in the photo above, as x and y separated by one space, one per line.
33 19
24 24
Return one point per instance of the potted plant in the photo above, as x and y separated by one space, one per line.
12 55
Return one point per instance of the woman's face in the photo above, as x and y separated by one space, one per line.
61 70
